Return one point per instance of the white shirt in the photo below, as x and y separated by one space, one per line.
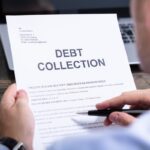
134 137
2 147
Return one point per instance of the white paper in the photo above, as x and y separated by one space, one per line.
68 63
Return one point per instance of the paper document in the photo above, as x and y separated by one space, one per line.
67 64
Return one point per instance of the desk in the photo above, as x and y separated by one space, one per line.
6 76
142 80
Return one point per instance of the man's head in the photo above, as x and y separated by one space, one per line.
140 11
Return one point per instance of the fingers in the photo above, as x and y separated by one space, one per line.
138 97
121 118
9 96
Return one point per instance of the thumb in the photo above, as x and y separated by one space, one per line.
121 118
21 98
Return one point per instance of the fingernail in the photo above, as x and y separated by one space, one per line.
98 106
101 106
106 123
21 93
114 118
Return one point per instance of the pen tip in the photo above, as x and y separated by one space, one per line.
82 113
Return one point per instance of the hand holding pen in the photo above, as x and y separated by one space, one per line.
107 112
139 99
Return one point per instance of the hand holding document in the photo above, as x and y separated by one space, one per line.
67 64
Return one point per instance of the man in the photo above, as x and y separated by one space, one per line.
17 122
141 16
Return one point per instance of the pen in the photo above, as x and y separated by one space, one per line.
107 112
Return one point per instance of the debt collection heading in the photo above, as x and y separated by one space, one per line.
75 64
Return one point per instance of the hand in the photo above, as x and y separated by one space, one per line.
16 119
139 99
